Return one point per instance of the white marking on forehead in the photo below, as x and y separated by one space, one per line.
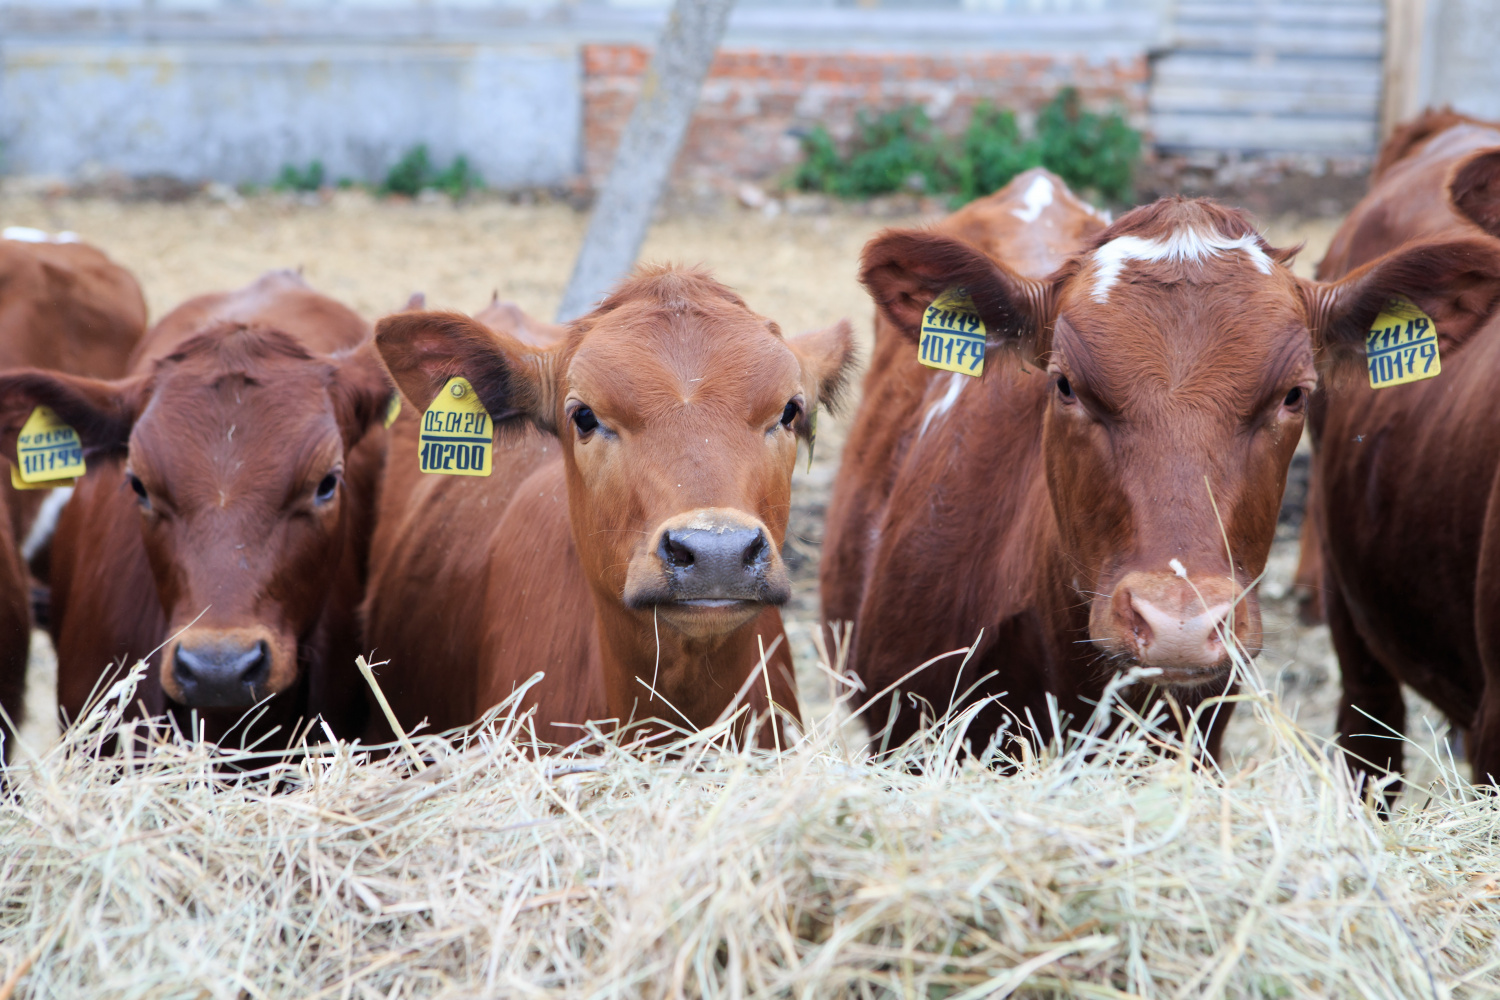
942 406
1037 197
25 234
1183 245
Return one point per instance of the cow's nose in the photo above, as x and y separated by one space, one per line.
1175 637
1178 624
708 563
221 674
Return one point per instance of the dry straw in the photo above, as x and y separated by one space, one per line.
1107 866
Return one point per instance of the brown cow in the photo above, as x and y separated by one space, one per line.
1410 497
630 532
226 510
65 306
1104 496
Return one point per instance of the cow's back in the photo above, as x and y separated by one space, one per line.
1408 200
67 307
1033 224
280 300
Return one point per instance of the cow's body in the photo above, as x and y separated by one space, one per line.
1408 478
1033 223
1101 501
66 307
555 562
194 528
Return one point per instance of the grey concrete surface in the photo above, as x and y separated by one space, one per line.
240 111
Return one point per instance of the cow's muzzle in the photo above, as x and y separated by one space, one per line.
212 668
708 571
1183 626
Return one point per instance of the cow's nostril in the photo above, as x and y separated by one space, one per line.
255 663
674 553
755 549
223 675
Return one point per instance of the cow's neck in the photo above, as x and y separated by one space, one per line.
692 678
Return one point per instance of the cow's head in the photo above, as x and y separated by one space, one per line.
235 452
1179 351
679 411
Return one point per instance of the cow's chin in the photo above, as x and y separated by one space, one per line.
707 618
1179 677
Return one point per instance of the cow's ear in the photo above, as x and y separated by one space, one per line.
828 358
1475 190
905 269
101 412
1456 283
361 392
423 350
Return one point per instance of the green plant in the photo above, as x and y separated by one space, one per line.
900 149
459 179
411 173
894 151
1085 149
991 152
291 178
416 171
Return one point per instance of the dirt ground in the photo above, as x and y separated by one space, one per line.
796 269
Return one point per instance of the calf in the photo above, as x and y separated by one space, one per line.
226 510
1106 495
628 540
67 307
1410 474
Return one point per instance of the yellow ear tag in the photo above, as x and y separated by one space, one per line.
953 335
1402 346
21 484
392 410
457 433
48 452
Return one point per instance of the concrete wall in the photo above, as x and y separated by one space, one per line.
235 89
239 112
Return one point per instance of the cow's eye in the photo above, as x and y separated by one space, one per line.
1294 397
1065 388
791 413
585 421
140 490
327 486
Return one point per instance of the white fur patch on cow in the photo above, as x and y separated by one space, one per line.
25 234
1183 245
46 522
942 406
1037 197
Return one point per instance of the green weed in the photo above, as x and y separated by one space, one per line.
415 172
291 178
900 150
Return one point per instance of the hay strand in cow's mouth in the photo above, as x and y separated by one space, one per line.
1103 863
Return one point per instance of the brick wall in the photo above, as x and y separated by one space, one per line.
753 99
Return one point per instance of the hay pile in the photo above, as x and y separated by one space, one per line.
1106 867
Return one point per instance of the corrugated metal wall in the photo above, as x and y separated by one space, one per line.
1270 75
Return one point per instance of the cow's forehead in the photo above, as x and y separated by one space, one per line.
262 427
1183 254
650 358
1225 321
